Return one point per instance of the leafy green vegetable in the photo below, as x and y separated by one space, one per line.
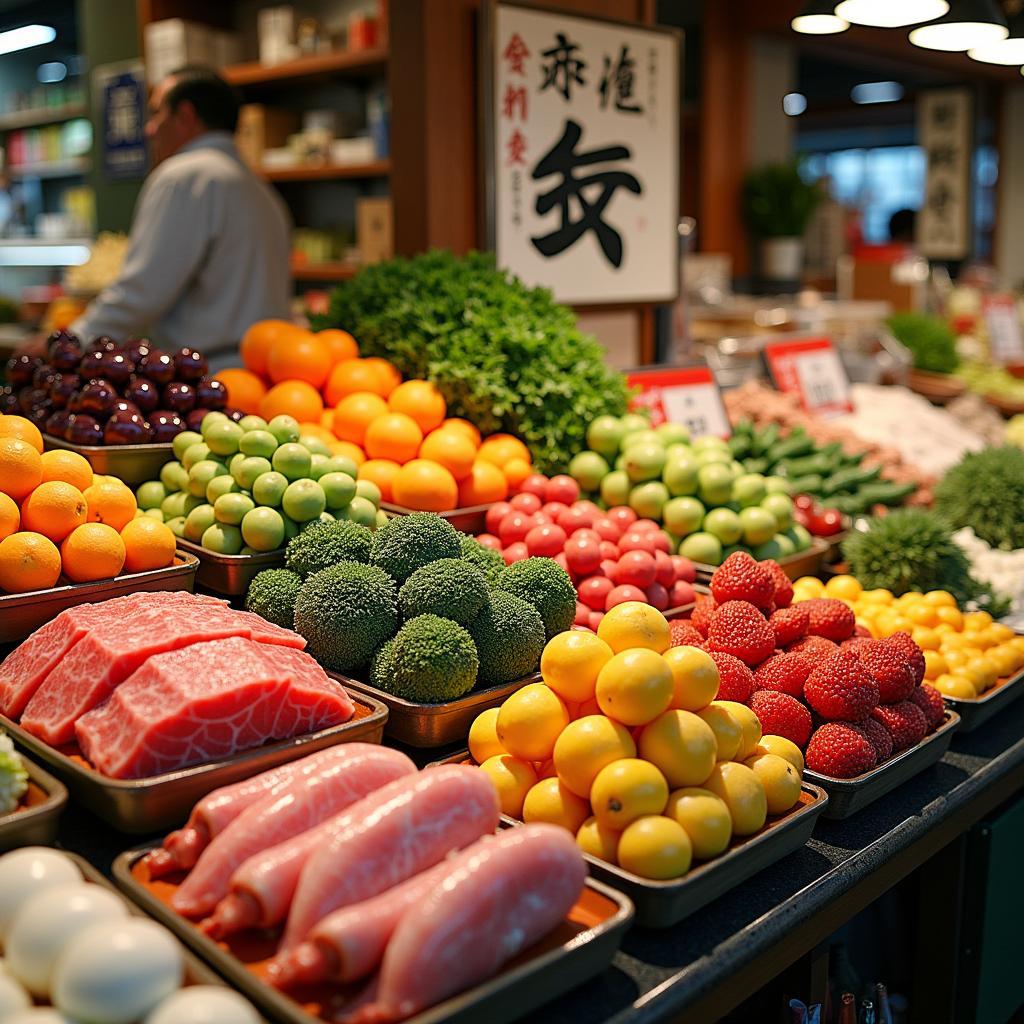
985 491
777 202
929 339
506 357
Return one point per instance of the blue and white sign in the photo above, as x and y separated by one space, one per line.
122 95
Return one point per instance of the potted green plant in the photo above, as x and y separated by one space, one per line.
778 204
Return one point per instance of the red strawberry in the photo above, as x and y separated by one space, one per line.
887 663
829 618
738 628
859 630
905 722
912 652
682 634
814 645
782 715
929 700
879 737
736 681
741 578
840 687
855 643
783 584
841 750
700 617
790 624
786 673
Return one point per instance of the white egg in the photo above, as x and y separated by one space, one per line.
38 1015
117 972
204 1004
48 921
13 996
25 872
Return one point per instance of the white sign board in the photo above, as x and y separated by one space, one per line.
583 155
944 133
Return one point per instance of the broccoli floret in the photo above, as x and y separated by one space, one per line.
547 586
13 776
407 542
509 637
382 668
486 559
449 587
346 613
323 544
434 660
272 594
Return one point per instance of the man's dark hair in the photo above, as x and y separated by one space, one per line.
215 102
901 225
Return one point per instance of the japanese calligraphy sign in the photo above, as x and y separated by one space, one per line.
681 394
121 89
810 368
944 133
583 155
1005 338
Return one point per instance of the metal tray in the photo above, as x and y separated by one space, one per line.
433 725
803 563
132 463
974 713
848 796
34 822
229 574
22 614
577 950
469 520
663 904
142 806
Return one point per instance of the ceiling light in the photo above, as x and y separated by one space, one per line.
818 18
28 35
970 24
53 71
1004 51
876 92
794 103
890 13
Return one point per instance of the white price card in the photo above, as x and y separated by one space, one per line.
1005 340
688 395
811 368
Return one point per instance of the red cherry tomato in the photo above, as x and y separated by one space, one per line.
622 515
664 570
594 590
495 514
608 529
685 569
610 550
488 540
546 541
661 542
637 568
562 561
610 568
583 555
514 527
595 620
535 483
680 594
582 614
574 518
553 509
804 502
586 505
644 526
525 501
620 595
657 596
633 541
827 523
562 488
515 553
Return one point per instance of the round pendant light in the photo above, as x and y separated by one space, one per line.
818 18
969 24
1006 51
890 13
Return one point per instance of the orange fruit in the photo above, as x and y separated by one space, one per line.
148 544
351 376
245 389
94 551
26 430
70 467
112 504
258 339
422 401
54 509
382 473
28 561
387 373
349 450
503 448
355 412
463 427
316 430
425 486
452 449
485 483
516 471
10 516
296 398
341 344
393 436
21 467
299 357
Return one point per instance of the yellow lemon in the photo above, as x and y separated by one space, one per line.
571 661
935 664
1013 655
550 801
727 728
626 790
530 721
655 847
513 778
922 614
681 745
634 624
940 599
955 686
586 746
705 817
974 621
598 841
743 794
811 584
844 587
877 596
780 779
695 677
956 641
635 686
784 748
483 736
951 616
925 638
944 627
1018 642
954 657
750 726
985 673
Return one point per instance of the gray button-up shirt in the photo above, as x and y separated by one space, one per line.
207 257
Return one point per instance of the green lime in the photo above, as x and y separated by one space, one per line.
183 441
177 525
370 491
223 438
263 529
339 489
218 486
314 445
232 508
200 519
293 460
150 494
269 488
195 453
248 470
258 442
304 500
251 422
285 429
200 475
223 538
174 476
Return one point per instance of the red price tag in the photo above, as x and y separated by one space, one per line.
811 368
1005 343
688 395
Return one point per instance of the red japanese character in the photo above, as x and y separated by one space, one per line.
515 96
516 148
515 53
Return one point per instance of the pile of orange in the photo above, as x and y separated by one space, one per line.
58 517
398 433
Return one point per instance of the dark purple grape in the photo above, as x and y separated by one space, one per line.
84 429
126 427
21 368
143 393
57 422
190 365
166 425
63 387
117 368
136 348
123 405
43 377
40 413
97 398
8 399
211 393
234 414
91 366
59 337
29 398
66 354
104 343
194 420
157 366
179 396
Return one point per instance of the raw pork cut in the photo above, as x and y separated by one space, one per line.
205 702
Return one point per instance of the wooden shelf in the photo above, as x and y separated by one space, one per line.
40 116
339 62
333 270
322 172
52 168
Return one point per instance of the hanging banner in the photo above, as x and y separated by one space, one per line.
581 154
121 92
681 394
944 133
811 369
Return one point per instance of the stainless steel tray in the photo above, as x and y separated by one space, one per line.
132 463
229 574
22 614
141 806
34 823
469 520
433 725
848 796
974 713
803 563
578 949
